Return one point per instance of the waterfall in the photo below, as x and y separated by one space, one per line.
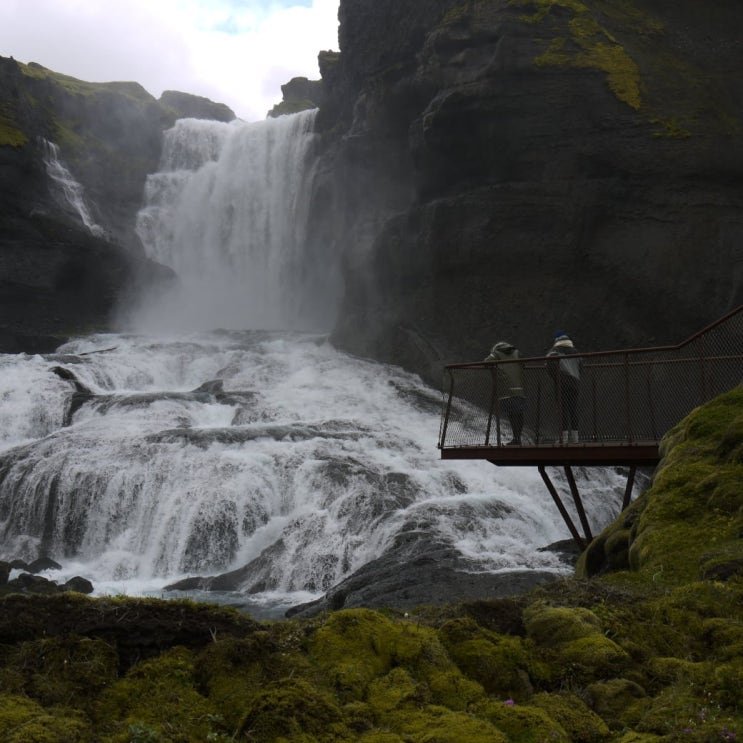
228 212
138 459
69 193
305 463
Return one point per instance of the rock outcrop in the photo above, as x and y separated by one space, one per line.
299 94
498 169
57 277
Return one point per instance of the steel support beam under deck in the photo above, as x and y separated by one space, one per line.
581 455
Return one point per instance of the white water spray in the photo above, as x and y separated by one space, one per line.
228 213
309 465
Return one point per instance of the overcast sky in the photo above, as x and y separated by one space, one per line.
237 52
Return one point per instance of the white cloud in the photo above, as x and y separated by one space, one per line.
237 52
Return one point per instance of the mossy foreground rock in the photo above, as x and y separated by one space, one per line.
649 654
694 512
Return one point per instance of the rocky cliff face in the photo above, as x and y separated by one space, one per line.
56 277
497 169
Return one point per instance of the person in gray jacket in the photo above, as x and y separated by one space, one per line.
565 370
511 396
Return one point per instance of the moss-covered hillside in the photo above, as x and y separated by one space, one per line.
653 652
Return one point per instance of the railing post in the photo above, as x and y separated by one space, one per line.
493 385
448 408
561 508
651 401
537 422
594 406
627 400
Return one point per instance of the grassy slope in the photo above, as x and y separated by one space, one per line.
650 652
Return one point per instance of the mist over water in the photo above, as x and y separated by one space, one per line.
228 212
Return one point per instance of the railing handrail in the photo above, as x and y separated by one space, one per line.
624 395
613 352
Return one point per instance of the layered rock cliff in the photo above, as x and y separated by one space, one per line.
56 276
499 169
489 170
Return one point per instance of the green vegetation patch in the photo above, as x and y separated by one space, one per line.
10 134
157 695
24 721
80 87
502 665
522 723
581 724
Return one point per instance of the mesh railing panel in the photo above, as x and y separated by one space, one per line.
626 397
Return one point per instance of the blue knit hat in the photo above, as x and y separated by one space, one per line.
560 334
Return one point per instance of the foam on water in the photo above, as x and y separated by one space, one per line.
310 464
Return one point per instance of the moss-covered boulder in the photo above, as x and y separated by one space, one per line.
501 664
694 510
24 721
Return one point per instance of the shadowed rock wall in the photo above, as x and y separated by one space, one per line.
499 169
56 278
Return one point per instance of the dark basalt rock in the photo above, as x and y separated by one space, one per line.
28 582
411 575
79 585
195 107
43 563
499 169
299 94
56 278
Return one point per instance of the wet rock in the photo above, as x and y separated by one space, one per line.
28 583
43 563
421 573
79 585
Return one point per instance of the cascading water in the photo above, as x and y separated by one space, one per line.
302 463
70 193
228 212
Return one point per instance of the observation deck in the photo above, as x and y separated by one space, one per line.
628 400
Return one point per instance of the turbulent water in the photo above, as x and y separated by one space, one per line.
302 462
307 455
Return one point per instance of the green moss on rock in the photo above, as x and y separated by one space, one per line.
500 664
551 626
67 670
581 724
688 525
522 723
592 657
619 702
24 721
157 695
356 646
439 725
294 709
10 134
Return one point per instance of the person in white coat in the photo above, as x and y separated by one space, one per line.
565 370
